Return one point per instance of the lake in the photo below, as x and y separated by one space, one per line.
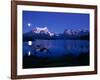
58 48
75 52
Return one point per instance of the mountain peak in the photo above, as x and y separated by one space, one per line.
42 30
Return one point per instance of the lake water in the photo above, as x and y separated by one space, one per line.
56 48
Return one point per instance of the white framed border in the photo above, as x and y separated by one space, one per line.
21 71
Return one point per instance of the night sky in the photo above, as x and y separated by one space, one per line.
55 22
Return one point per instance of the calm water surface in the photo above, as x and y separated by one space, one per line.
56 48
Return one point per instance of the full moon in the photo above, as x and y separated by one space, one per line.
29 24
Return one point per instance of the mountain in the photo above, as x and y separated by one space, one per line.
75 32
44 33
43 30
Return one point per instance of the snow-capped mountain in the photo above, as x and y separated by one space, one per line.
44 33
42 30
45 30
76 32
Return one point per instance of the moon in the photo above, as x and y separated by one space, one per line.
29 24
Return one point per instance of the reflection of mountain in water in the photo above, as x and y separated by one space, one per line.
58 47
48 49
56 53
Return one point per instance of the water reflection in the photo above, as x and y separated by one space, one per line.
57 47
55 53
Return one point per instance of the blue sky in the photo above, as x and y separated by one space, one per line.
55 22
